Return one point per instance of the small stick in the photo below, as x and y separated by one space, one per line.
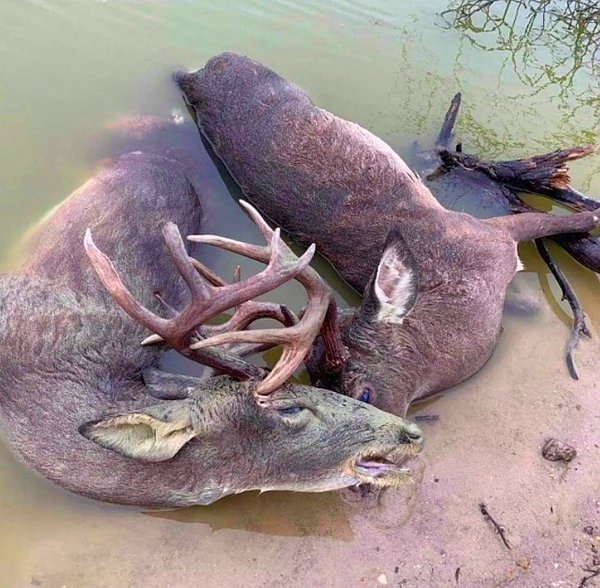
427 417
499 528
569 295
593 574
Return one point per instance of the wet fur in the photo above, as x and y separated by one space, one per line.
71 363
68 353
328 181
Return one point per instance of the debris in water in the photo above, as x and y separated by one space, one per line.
382 579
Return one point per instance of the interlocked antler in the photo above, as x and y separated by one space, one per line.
207 300
247 312
244 315
296 340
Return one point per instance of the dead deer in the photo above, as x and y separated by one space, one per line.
434 280
73 403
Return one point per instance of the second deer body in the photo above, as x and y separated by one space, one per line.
434 280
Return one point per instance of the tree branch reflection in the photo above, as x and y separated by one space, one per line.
549 42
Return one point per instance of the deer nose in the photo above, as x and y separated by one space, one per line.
412 434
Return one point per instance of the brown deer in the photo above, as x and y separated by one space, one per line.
73 403
434 280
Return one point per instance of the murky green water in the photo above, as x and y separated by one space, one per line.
70 68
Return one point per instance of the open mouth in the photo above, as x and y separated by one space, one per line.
375 466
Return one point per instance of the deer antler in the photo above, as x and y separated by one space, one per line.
245 314
296 340
207 300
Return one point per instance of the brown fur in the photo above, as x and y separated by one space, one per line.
73 404
328 181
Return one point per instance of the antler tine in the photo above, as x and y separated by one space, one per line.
287 319
296 340
274 336
281 372
112 282
199 289
258 220
250 311
207 273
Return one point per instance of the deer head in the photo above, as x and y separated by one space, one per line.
380 352
248 429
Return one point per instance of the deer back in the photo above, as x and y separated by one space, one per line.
323 179
68 353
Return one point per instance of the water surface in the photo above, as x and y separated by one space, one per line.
70 69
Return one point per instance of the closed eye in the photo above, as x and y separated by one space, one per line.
288 410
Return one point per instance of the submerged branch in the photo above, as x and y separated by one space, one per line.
579 326
544 174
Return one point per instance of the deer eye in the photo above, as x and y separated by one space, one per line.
296 416
291 410
365 395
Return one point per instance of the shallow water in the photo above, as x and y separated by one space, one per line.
72 68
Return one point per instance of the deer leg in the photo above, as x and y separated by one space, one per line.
534 225
583 248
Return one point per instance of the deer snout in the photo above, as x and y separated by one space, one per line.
411 434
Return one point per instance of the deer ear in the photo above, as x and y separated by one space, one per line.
394 285
155 434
